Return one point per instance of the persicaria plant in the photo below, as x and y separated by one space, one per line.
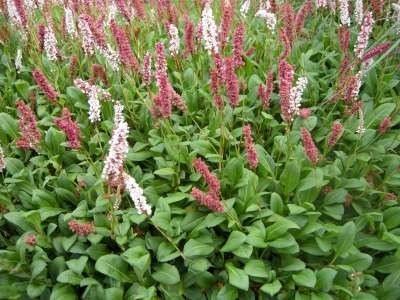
199 149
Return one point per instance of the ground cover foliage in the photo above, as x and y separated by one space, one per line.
199 150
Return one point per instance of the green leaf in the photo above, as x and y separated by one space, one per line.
256 268
69 277
22 87
139 258
372 119
53 141
389 264
237 277
325 278
272 288
9 125
391 217
196 248
290 176
63 291
166 252
235 239
228 292
233 170
290 264
77 265
165 172
279 228
314 179
13 165
37 267
345 238
113 293
305 278
34 290
166 274
113 266
358 261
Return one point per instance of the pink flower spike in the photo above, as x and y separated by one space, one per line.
30 240
231 82
384 125
201 167
309 145
305 113
250 149
70 128
285 85
209 200
238 41
31 135
45 86
336 133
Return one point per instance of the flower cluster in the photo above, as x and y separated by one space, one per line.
211 199
226 22
363 36
69 21
82 229
44 85
358 11
344 12
209 31
250 149
2 160
238 40
173 39
244 9
70 127
264 92
285 86
136 194
18 60
269 17
50 44
384 125
30 240
124 47
189 36
296 93
336 133
94 93
114 162
309 145
231 81
146 71
31 135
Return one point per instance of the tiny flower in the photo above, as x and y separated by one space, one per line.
384 125
45 86
70 127
123 9
336 133
361 124
73 63
30 240
139 8
309 145
250 149
390 196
